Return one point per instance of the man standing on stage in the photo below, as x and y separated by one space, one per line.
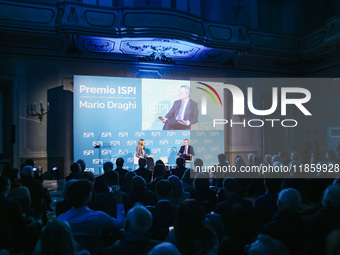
183 113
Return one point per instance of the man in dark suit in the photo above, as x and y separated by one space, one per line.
186 151
183 113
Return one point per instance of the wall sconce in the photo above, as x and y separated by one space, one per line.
31 111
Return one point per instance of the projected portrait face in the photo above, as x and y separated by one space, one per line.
184 93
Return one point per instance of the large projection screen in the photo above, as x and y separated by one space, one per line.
111 114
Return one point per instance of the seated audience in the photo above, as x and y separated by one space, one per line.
177 195
11 220
18 192
40 197
88 176
142 171
203 193
287 225
266 205
64 205
121 171
127 186
86 224
139 194
190 235
75 172
333 243
233 197
109 201
164 248
66 245
180 168
82 164
325 220
136 238
163 213
187 181
99 183
158 174
265 245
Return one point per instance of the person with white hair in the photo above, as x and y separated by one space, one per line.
164 248
325 220
136 238
265 245
287 225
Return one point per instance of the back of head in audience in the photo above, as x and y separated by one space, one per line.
199 162
120 162
186 176
5 185
27 171
56 238
190 230
163 189
89 176
176 185
268 159
333 243
111 178
180 162
75 168
108 166
138 220
276 158
142 162
164 248
231 186
265 245
129 175
256 160
158 171
160 162
201 181
289 200
137 183
79 193
82 164
331 197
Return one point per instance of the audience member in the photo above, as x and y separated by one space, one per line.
164 248
265 245
99 183
56 238
121 171
142 171
136 238
75 172
287 225
325 220
203 193
127 186
180 168
158 174
86 224
190 235
163 213
177 195
139 194
82 164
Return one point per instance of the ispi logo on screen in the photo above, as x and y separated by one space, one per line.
295 96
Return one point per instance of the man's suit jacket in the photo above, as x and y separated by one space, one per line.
190 114
190 150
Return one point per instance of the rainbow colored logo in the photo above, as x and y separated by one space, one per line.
209 93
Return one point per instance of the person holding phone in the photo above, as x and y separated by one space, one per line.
140 153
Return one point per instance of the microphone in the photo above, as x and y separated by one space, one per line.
97 145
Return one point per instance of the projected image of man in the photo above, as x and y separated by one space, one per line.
183 113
